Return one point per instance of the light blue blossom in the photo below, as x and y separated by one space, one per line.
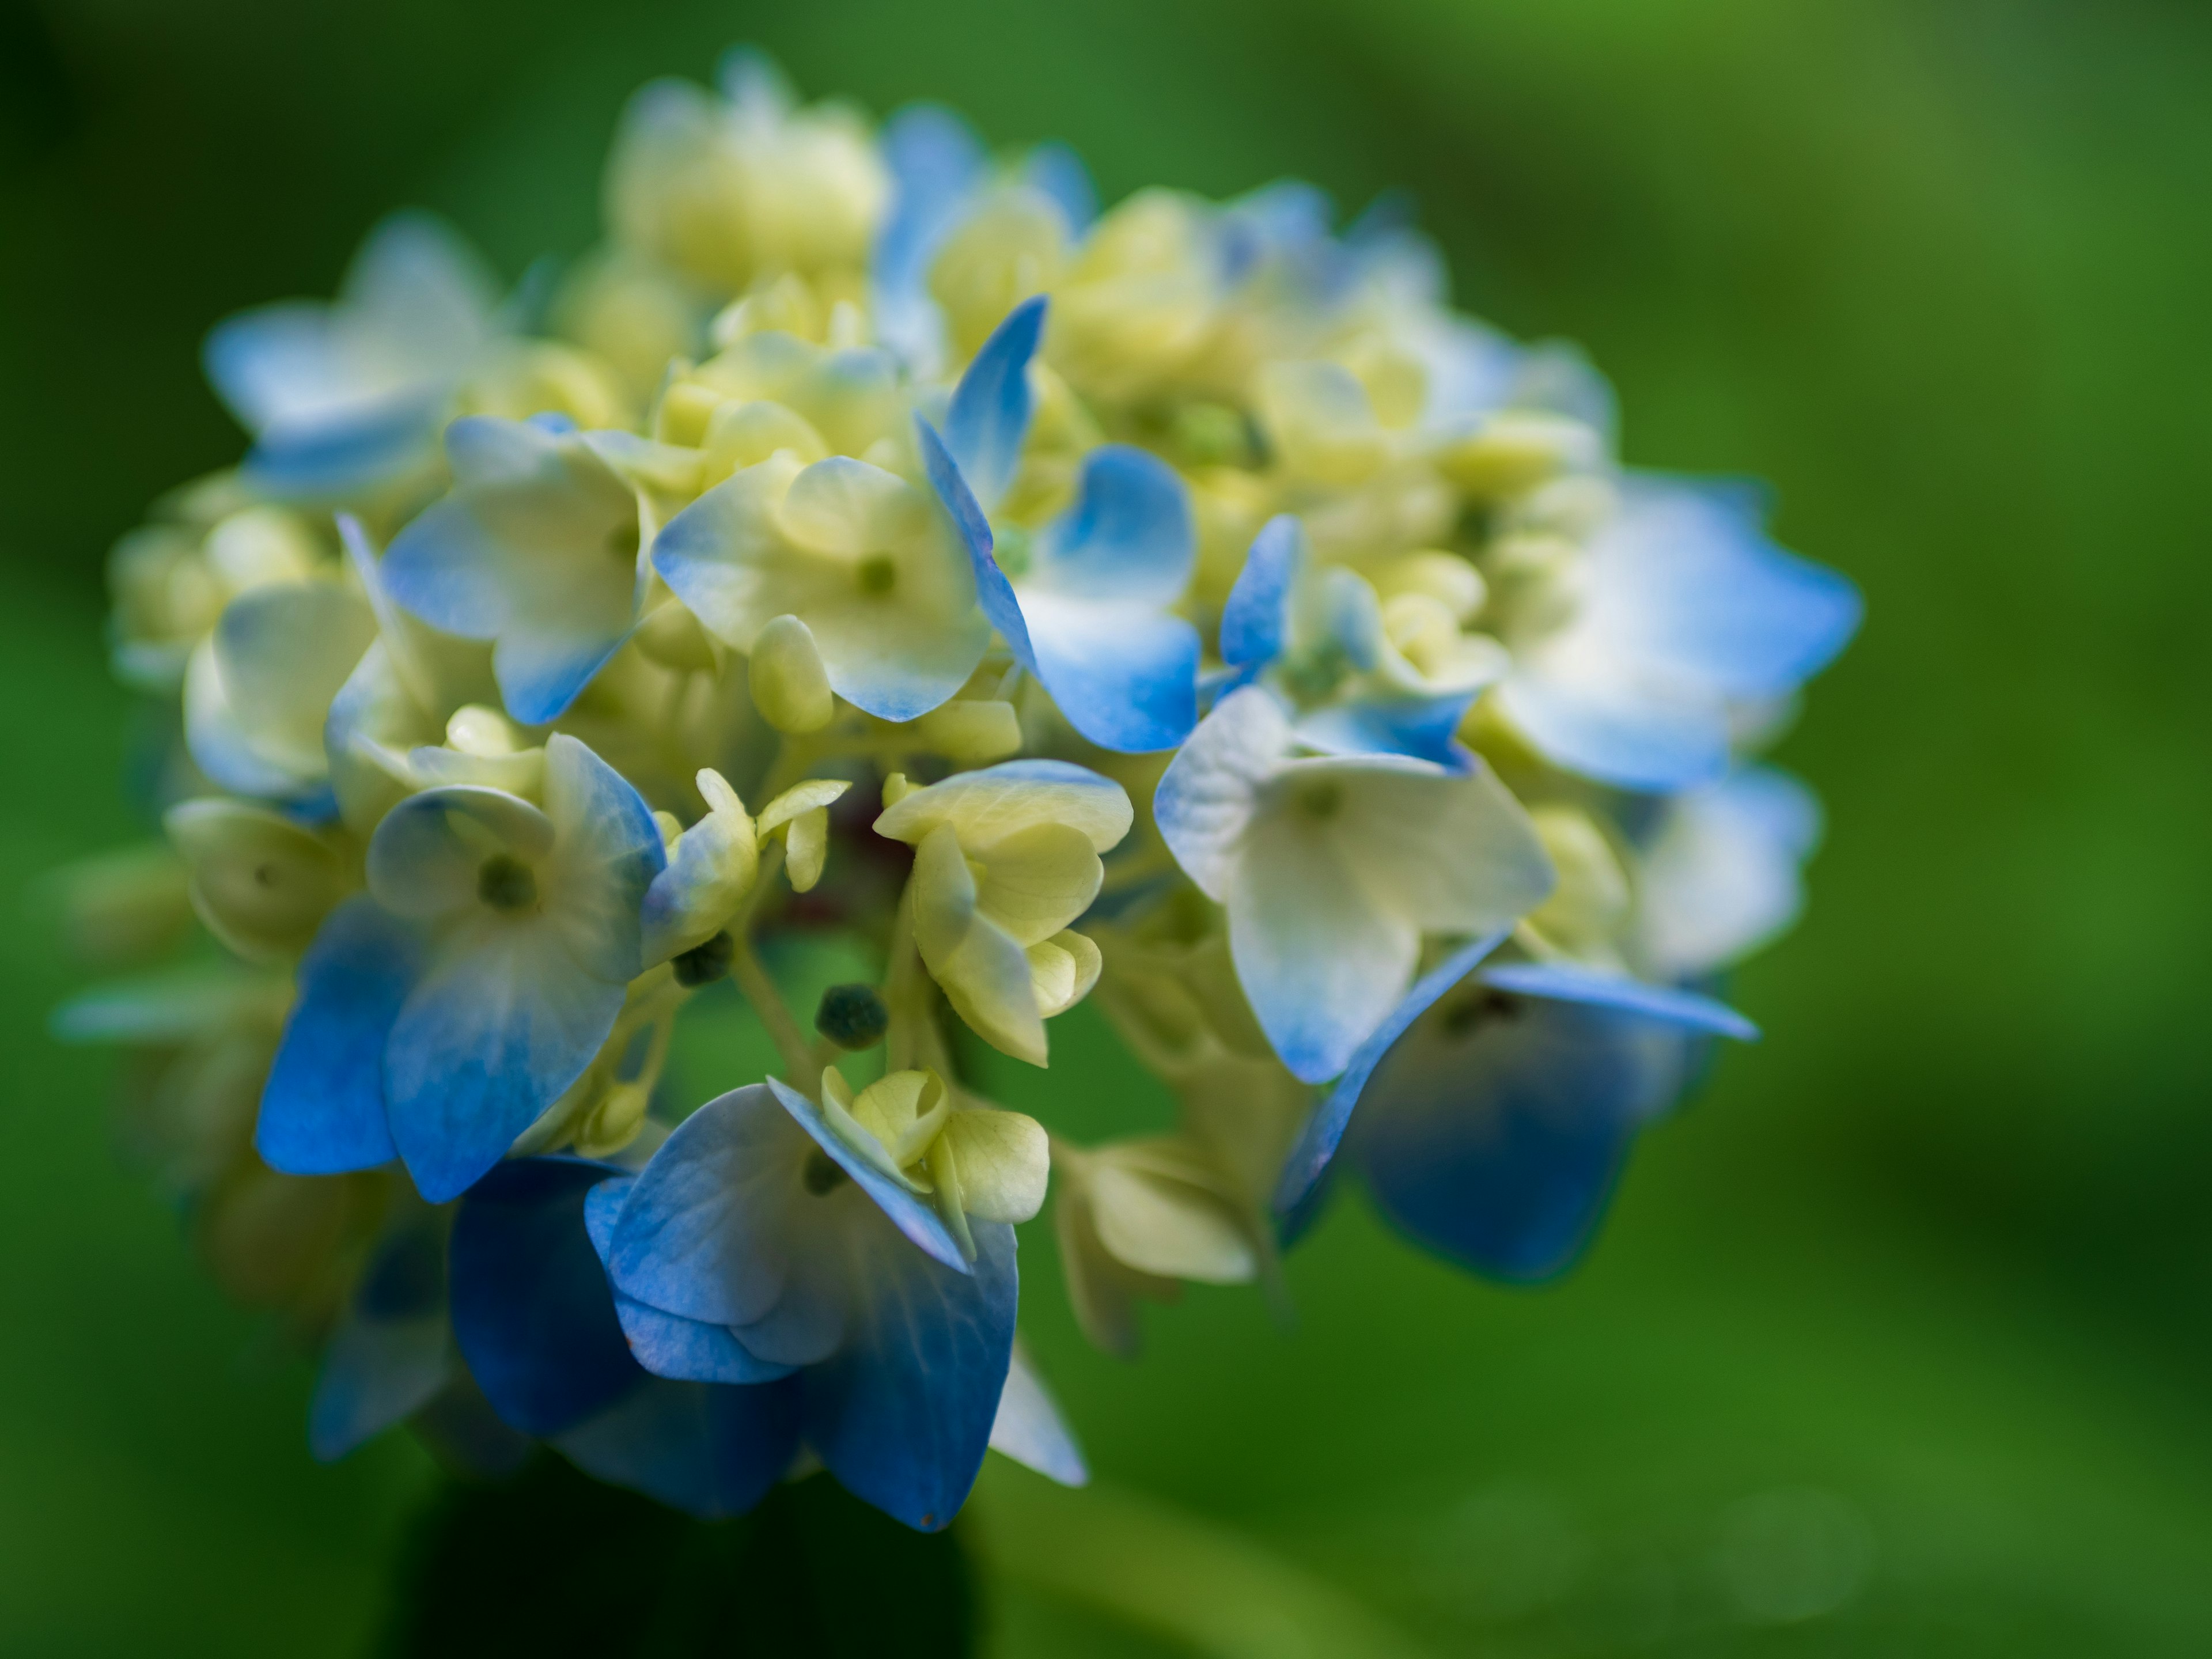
1720 871
1490 1113
345 397
940 178
1315 635
447 1008
858 555
538 548
1086 602
1684 612
1332 868
760 1238
258 690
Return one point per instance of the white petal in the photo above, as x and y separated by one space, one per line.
1323 964
1205 801
984 807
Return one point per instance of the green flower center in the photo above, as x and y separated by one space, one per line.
623 541
823 1174
506 883
877 574
1321 801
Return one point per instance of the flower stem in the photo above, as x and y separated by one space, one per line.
783 1028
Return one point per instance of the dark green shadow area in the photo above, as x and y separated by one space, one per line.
553 1564
1893 1343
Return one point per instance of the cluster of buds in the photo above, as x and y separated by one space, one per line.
1177 606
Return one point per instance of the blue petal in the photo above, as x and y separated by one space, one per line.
908 1213
541 674
1311 1158
708 1451
902 1414
1733 606
669 1344
991 406
391 1352
322 1109
1127 536
688 1350
701 1233
500 1024
1497 1140
993 592
1630 742
1255 621
1425 728
532 1311
935 161
1563 982
447 568
1125 676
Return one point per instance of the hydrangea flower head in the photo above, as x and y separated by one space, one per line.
1174 603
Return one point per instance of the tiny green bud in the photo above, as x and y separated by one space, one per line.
704 964
852 1017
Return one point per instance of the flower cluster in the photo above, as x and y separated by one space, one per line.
1177 604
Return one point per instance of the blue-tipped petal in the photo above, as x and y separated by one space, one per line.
1616 735
935 162
1721 601
993 592
1125 676
322 1109
908 1213
902 1414
348 456
991 406
532 1311
1127 536
1311 1158
710 1451
541 673
500 1024
1425 728
1255 621
1562 981
445 568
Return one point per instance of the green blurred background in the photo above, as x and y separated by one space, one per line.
1895 1343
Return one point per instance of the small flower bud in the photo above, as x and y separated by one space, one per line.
789 685
971 733
852 1017
477 730
702 965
